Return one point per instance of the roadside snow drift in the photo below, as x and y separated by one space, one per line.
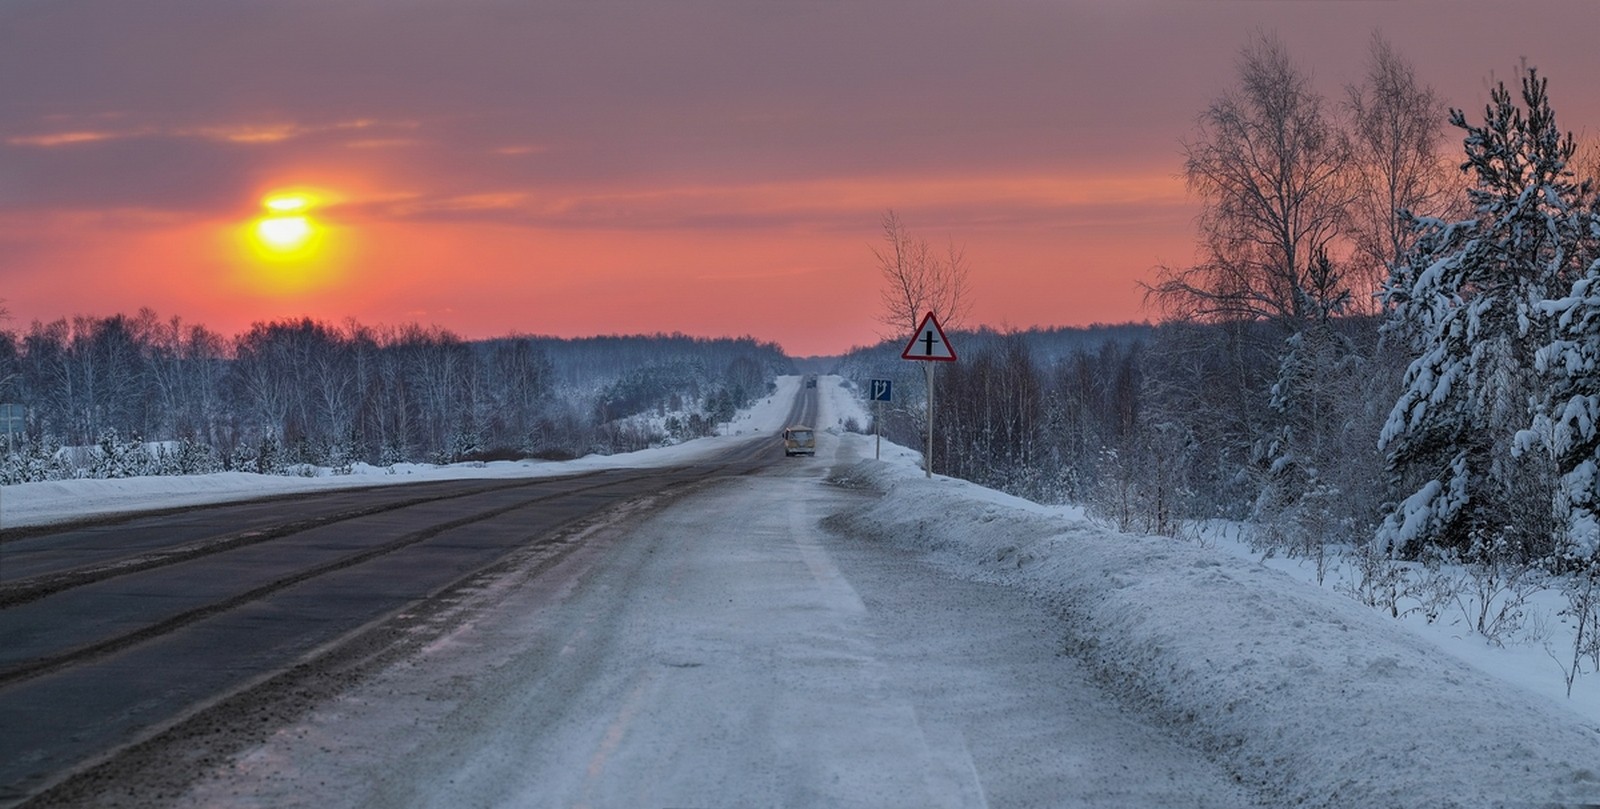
1302 693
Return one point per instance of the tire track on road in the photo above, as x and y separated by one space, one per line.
33 588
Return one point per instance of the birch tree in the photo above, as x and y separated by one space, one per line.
1269 165
917 280
1397 163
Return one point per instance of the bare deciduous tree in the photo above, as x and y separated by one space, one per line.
1270 168
917 280
1397 165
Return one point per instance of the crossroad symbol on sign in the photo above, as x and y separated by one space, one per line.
882 390
929 343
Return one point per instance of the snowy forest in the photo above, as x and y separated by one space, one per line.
1389 343
290 395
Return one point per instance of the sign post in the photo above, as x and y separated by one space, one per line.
882 391
930 344
13 419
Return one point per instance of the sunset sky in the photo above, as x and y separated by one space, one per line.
712 167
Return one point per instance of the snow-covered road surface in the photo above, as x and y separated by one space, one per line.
727 651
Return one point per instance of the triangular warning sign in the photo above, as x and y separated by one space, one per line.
929 343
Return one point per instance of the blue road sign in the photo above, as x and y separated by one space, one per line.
13 418
882 390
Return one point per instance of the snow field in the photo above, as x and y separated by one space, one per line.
1301 692
1525 654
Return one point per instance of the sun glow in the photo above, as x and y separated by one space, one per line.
284 233
288 247
287 202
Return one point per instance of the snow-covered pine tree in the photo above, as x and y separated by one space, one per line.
1468 297
36 458
1566 424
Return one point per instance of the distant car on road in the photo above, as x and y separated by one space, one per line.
811 381
799 440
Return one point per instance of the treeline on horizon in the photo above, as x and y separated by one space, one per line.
294 394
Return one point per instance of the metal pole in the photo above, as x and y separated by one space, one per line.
9 452
877 428
928 460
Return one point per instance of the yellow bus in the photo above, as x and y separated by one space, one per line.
799 440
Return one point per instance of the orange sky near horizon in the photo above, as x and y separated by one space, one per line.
811 288
710 167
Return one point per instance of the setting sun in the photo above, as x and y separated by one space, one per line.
287 248
284 233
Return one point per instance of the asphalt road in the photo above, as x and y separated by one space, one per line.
116 631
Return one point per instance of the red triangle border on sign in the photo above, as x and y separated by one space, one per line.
916 337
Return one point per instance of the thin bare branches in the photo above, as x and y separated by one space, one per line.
1270 167
918 280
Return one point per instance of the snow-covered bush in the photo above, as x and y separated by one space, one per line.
1312 526
1582 591
189 457
116 457
35 458
1493 594
266 457
1142 488
1399 588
